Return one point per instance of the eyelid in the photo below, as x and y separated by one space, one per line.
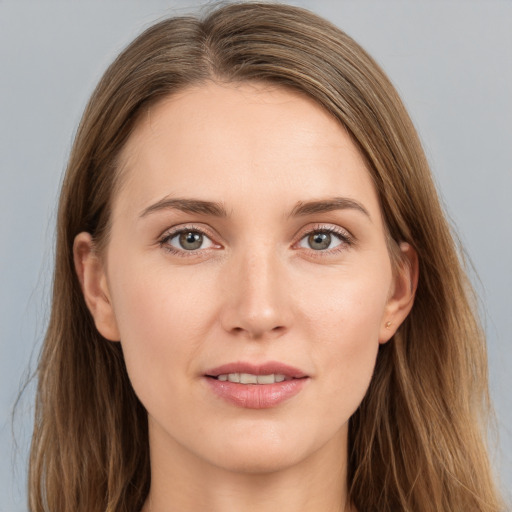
170 233
346 237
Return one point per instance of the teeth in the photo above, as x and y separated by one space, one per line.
249 378
266 379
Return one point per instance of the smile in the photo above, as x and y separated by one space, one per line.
255 386
249 378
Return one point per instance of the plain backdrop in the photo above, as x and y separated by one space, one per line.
450 60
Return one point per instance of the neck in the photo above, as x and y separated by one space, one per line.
182 482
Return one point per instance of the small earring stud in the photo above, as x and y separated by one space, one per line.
388 325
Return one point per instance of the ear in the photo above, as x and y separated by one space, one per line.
403 290
93 280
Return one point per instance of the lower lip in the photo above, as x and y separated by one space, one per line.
256 396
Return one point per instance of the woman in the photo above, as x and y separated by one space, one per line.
257 301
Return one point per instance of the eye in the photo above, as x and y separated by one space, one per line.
323 240
187 240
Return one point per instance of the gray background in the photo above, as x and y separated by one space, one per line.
450 60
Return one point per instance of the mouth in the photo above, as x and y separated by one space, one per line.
251 378
256 386
248 373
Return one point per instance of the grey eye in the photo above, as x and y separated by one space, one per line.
190 241
320 241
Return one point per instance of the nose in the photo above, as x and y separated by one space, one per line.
257 302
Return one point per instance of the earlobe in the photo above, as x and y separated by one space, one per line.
93 281
402 293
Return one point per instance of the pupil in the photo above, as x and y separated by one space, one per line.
191 241
319 241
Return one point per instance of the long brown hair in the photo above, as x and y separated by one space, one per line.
417 442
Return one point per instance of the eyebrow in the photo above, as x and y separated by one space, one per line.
187 205
216 209
328 205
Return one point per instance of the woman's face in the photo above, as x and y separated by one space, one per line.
247 239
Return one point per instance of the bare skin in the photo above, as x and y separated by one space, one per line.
247 229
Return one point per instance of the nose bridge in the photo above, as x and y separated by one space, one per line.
256 303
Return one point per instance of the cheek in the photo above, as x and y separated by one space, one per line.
162 321
346 304
344 320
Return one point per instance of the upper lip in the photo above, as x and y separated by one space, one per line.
271 367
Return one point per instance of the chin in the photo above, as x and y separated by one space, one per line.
258 461
267 451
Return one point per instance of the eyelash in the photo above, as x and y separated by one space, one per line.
346 240
169 235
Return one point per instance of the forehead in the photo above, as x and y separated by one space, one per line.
236 143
